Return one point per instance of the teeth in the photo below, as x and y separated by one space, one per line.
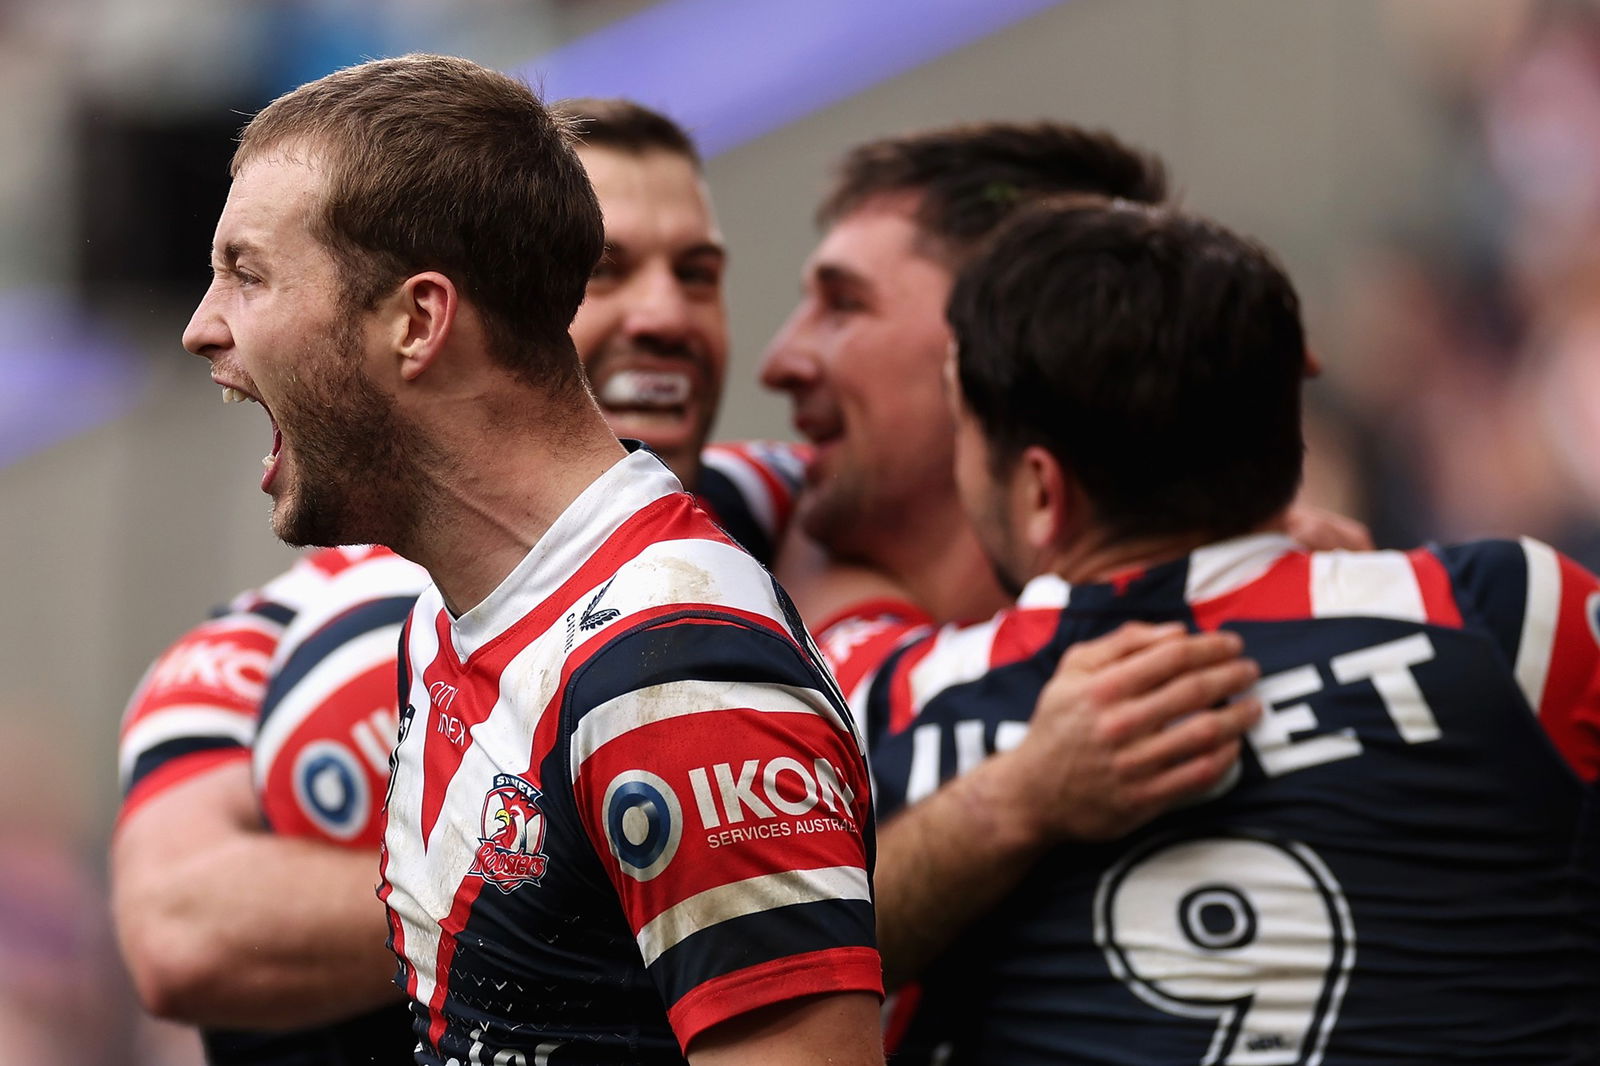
646 388
233 395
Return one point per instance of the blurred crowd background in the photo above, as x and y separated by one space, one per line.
1428 169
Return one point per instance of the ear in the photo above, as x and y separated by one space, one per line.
1043 499
425 307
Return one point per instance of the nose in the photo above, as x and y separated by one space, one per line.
790 361
207 333
660 311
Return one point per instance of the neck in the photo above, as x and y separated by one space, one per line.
948 575
1095 557
497 488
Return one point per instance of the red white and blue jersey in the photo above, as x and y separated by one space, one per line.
750 488
1405 867
196 708
196 705
327 724
626 804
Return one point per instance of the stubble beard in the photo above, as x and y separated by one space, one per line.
354 455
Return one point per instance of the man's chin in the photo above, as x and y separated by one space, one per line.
300 525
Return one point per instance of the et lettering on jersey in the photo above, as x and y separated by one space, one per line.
627 804
196 705
1401 869
320 759
750 488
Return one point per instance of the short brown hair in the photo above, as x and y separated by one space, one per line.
437 163
624 126
1157 355
970 178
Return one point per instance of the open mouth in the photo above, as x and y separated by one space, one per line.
234 394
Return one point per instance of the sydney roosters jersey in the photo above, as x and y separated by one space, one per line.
750 488
196 705
626 804
320 757
1405 866
327 724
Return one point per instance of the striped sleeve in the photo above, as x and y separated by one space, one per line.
891 661
729 804
327 724
750 487
1543 610
196 706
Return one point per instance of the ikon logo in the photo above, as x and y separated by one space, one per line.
762 790
217 665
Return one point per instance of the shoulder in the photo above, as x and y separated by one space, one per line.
751 487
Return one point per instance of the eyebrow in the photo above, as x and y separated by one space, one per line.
234 250
704 248
833 274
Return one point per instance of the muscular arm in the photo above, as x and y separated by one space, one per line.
1119 735
838 1030
224 924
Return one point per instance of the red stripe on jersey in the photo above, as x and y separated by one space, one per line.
727 840
1438 595
459 698
547 731
888 609
221 665
856 641
175 772
358 716
1570 709
902 1009
844 969
1282 593
780 490
1021 633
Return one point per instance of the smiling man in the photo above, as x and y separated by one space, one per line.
860 355
467 439
653 328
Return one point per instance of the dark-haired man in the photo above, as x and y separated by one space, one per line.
861 358
464 436
1403 867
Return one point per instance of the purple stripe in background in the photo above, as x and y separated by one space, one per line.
733 70
60 374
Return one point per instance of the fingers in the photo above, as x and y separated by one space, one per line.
1196 688
1090 655
1188 780
1195 737
1160 662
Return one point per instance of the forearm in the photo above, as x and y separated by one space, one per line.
945 861
227 926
